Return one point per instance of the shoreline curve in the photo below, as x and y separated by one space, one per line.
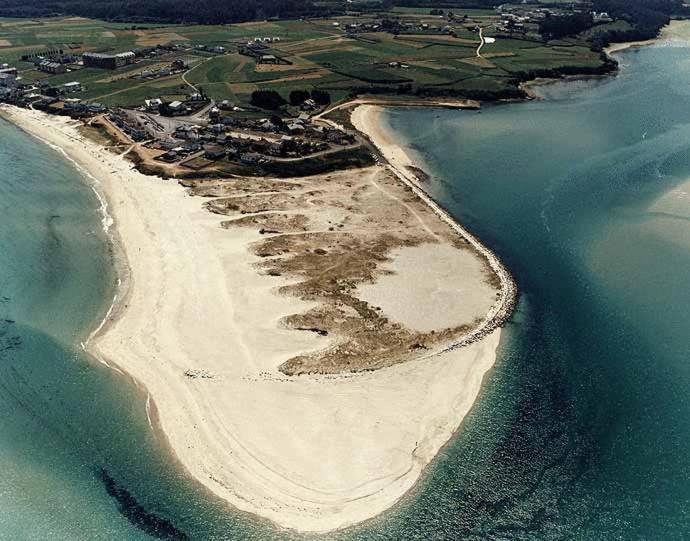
287 498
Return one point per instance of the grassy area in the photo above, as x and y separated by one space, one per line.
621 26
317 54
214 70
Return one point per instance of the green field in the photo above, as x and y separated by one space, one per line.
315 54
617 25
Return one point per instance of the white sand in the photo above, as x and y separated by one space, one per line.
308 453
669 215
367 119
431 287
618 47
674 33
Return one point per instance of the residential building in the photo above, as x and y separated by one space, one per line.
108 61
7 80
153 105
53 68
72 87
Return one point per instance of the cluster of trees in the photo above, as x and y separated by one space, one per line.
447 4
267 99
645 16
320 97
212 11
566 25
199 11
272 100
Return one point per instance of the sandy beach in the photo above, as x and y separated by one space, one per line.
367 119
618 47
200 329
675 32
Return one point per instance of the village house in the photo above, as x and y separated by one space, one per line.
152 105
252 46
214 152
170 155
308 105
297 127
260 146
108 61
7 80
74 86
96 108
187 132
177 107
53 68
601 17
276 149
134 132
252 158
267 125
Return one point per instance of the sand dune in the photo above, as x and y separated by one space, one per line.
199 328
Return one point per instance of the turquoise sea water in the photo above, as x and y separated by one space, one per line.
78 459
583 429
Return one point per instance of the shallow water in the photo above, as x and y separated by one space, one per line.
583 428
79 459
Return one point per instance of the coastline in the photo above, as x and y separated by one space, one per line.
668 34
618 47
367 119
531 88
392 442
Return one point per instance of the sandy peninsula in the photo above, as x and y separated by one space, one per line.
227 321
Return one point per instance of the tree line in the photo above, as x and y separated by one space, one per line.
270 99
168 11
646 17
211 11
566 25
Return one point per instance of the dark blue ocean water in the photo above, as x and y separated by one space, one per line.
583 428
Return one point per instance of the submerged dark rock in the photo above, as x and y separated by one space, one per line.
136 514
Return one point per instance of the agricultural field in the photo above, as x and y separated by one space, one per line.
434 55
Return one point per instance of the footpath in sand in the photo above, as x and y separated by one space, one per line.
203 325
